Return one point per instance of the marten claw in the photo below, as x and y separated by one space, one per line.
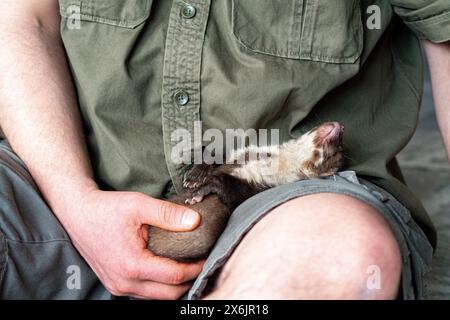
197 176
190 184
187 185
194 200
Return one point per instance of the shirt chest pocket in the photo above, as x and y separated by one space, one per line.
121 13
317 30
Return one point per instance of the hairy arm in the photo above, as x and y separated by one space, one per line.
439 62
38 108
40 118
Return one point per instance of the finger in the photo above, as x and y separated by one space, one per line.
164 270
167 215
158 291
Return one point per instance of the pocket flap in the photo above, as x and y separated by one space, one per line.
122 13
316 30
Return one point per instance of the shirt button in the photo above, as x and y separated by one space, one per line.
188 11
181 98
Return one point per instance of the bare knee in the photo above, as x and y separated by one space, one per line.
315 247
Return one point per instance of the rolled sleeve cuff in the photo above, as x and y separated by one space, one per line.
435 28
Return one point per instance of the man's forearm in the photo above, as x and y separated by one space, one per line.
439 62
38 108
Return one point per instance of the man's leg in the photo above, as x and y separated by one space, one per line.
37 259
321 246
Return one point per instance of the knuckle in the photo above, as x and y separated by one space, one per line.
128 270
120 288
167 214
114 292
176 277
114 289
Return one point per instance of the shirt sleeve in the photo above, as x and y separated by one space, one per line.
429 19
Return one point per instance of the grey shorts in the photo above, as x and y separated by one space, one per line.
38 260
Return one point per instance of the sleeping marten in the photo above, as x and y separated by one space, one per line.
215 191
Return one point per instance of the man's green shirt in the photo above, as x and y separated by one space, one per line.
144 68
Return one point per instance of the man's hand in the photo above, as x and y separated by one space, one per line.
39 116
110 231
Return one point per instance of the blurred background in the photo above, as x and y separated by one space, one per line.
427 172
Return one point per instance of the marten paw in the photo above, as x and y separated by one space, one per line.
211 185
196 176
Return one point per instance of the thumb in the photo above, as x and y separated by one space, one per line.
167 215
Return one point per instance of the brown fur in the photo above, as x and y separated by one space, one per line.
196 244
215 192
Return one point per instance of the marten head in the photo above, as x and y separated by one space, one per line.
317 153
322 150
